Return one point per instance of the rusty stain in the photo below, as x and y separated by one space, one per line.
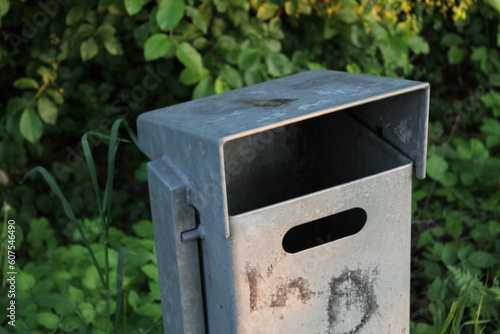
301 285
280 297
269 103
252 278
351 291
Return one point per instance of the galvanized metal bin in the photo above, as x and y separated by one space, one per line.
284 207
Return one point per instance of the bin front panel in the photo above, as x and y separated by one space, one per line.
356 284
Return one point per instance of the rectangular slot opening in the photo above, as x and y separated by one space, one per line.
290 161
324 230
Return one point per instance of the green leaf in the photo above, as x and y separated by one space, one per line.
198 21
464 252
451 40
495 4
143 229
156 46
252 77
133 6
204 88
478 150
266 11
449 254
26 83
188 56
25 281
290 7
55 95
151 271
448 179
90 278
133 299
170 12
456 54
221 5
232 77
248 58
30 125
479 53
47 319
494 79
482 260
85 30
436 167
87 311
188 77
220 85
75 14
111 44
47 110
351 68
418 44
15 105
88 49
76 295
435 290
278 64
492 128
4 7
275 28
347 15
46 74
272 45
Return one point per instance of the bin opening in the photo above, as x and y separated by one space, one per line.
297 159
322 231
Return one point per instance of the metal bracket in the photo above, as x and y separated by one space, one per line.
191 235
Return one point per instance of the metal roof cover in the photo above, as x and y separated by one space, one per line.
230 115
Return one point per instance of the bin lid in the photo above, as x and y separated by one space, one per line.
297 97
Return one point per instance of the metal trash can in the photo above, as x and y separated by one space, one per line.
285 207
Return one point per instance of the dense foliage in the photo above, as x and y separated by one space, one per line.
71 67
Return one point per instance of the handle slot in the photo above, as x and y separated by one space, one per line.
324 230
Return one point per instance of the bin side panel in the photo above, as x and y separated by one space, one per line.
401 120
178 262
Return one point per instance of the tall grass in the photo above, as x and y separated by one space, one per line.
104 200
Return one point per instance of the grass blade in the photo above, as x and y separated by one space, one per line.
131 133
450 316
156 325
103 136
70 214
119 287
55 188
108 193
92 171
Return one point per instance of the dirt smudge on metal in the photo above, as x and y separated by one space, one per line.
252 277
269 103
298 286
270 270
352 301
